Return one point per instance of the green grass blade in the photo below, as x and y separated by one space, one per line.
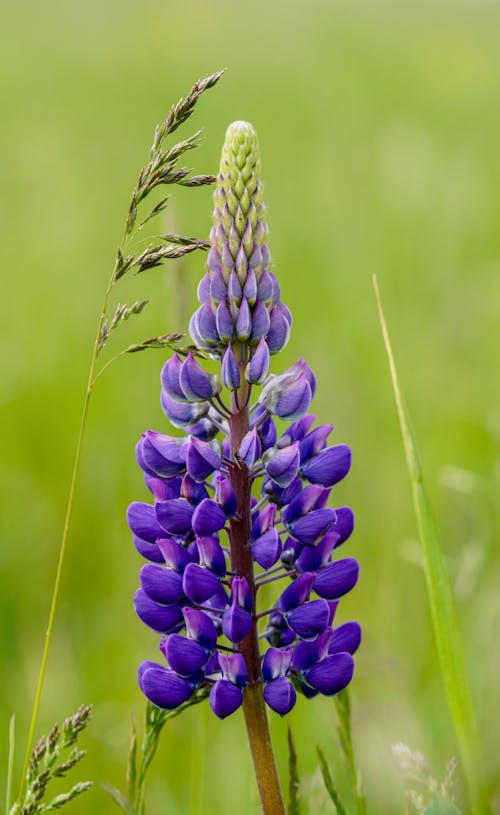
441 602
293 777
10 764
327 778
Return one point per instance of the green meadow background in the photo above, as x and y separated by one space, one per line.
379 126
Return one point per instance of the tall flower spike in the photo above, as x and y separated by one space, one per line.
239 294
232 477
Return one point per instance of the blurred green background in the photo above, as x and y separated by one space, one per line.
379 126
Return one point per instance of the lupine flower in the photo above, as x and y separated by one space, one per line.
241 502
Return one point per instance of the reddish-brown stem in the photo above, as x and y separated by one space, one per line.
254 708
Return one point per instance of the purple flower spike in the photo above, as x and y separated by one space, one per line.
282 465
257 369
225 698
336 579
235 506
329 466
231 376
201 459
164 688
158 617
208 518
195 382
332 674
186 657
280 695
198 583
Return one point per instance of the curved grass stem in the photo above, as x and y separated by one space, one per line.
441 602
64 540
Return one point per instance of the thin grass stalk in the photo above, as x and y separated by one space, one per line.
441 601
64 539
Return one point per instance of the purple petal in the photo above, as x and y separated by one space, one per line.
260 321
148 550
198 583
329 466
141 519
164 688
346 637
307 654
293 401
297 592
309 619
208 518
280 695
230 370
282 464
332 674
174 555
250 448
163 455
279 331
218 288
174 516
193 491
225 495
305 500
161 584
163 490
170 378
234 668
186 657
224 320
211 555
267 549
250 287
201 460
276 663
206 325
243 321
236 623
310 527
200 627
181 415
314 442
258 368
160 618
225 698
336 579
344 524
195 382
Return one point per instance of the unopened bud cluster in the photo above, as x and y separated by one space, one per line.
192 590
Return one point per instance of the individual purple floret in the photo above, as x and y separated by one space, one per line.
243 580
